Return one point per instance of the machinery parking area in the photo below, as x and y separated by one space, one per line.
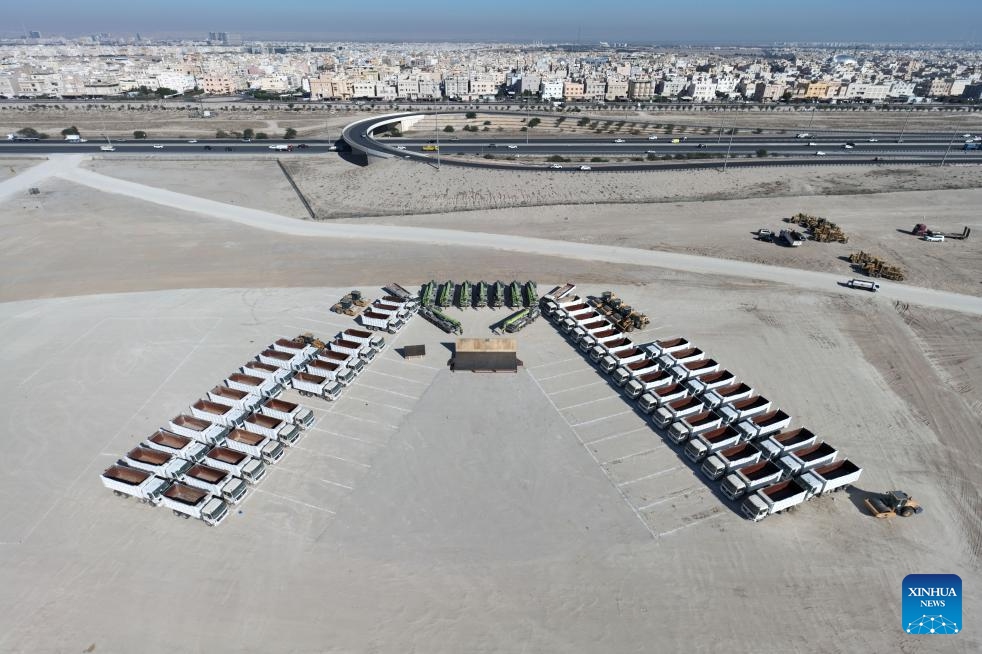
439 511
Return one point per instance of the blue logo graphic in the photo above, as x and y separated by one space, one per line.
932 604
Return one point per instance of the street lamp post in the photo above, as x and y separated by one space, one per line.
904 128
945 157
436 130
726 159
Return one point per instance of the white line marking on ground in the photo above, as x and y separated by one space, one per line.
552 363
651 476
613 436
353 438
412 363
335 483
593 401
667 498
576 388
694 522
593 456
374 422
590 422
331 456
631 456
371 402
290 499
385 390
564 374
405 379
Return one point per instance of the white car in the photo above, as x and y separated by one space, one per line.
938 238
400 147
585 168
966 136
619 141
158 146
193 141
651 151
652 138
873 141
847 147
512 147
812 144
556 166
819 154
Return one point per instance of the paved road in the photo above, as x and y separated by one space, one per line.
67 168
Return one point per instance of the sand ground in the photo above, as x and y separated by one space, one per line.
437 512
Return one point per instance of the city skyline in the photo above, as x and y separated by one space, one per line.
714 21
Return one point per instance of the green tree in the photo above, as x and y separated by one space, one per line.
139 134
221 134
163 91
448 128
29 132
290 133
487 122
70 130
761 152
262 135
471 115
248 133
534 122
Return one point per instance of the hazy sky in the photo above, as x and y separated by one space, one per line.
736 21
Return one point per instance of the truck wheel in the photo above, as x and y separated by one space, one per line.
906 512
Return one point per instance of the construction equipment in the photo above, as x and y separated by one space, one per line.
515 293
441 320
920 229
893 503
876 267
346 306
482 294
518 320
822 230
357 299
444 297
311 340
498 295
531 294
790 237
464 297
427 294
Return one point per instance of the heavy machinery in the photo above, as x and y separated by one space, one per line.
310 339
441 320
875 266
357 299
822 230
920 229
498 295
464 297
427 294
893 503
481 299
444 297
515 292
518 320
346 306
531 294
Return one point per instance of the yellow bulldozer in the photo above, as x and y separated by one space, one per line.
893 503
309 339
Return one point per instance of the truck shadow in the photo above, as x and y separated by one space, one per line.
858 497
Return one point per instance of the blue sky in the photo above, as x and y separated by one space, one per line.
736 21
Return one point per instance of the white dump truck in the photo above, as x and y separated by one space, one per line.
242 465
254 385
803 460
220 483
668 360
613 346
268 371
588 329
281 359
667 346
750 478
776 446
764 424
255 445
273 428
143 485
289 412
200 430
189 502
658 397
345 347
708 381
710 441
373 321
685 371
374 341
833 477
156 462
232 397
176 445
353 362
606 335
734 412
669 413
309 384
647 382
334 373
218 413
723 395
691 425
723 462
775 498
633 370
295 346
610 362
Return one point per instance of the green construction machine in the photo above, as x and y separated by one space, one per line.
427 294
518 320
464 298
498 295
515 292
444 298
482 294
531 294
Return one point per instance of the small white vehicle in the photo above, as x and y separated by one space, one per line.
619 141
651 151
803 135
873 140
848 147
512 147
193 141
400 147
585 168
556 166
812 144
107 148
652 138
937 238
157 146
820 154
966 136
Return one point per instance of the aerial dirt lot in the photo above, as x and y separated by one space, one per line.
14 165
444 512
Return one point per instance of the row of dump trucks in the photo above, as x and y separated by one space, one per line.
727 428
478 294
205 460
389 313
